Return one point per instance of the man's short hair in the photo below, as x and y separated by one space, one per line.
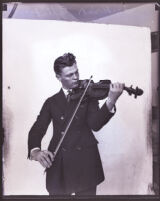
68 59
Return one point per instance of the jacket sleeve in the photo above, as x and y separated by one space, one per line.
98 117
39 128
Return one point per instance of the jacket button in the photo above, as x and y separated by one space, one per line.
78 148
62 118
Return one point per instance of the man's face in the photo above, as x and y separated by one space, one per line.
69 77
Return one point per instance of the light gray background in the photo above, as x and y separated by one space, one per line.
126 154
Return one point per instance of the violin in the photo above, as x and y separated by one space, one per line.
99 90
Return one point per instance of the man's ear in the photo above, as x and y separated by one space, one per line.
58 77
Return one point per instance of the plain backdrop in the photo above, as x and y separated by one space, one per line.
114 52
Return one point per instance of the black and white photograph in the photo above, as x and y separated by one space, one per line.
80 99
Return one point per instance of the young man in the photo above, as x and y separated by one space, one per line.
77 166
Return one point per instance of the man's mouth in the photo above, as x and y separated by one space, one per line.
75 84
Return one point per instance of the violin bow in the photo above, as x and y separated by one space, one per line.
72 117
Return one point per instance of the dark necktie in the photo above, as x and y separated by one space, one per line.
68 96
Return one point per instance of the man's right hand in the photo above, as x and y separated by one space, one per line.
45 158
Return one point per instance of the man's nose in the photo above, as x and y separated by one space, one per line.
75 76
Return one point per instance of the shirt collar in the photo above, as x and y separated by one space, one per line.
65 91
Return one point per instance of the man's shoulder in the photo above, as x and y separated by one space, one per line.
53 97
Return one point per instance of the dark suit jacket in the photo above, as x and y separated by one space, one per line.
77 164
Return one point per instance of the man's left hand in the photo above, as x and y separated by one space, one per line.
115 91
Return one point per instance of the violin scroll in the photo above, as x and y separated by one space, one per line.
137 91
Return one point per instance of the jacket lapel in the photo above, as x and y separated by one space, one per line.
61 101
66 108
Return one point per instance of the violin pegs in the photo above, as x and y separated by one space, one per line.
136 92
130 92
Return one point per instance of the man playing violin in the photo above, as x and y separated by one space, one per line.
77 167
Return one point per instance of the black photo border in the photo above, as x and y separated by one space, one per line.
98 197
